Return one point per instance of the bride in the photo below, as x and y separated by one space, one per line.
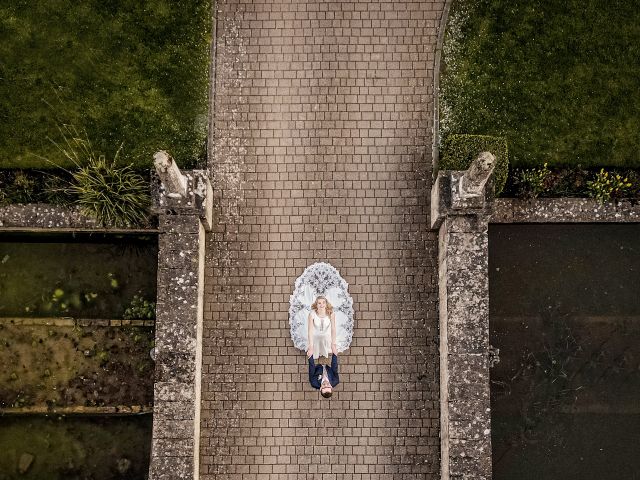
321 311
322 328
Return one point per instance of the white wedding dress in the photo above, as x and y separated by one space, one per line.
321 279
321 335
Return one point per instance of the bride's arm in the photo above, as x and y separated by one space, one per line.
309 335
333 329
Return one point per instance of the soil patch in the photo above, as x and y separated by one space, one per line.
71 366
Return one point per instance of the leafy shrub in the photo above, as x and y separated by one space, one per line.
532 182
567 182
634 180
24 187
33 186
458 151
18 186
606 186
574 182
139 308
55 190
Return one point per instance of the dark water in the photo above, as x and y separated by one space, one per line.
88 276
79 447
565 314
587 446
590 269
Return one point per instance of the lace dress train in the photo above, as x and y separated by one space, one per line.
320 279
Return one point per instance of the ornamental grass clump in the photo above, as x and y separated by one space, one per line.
114 195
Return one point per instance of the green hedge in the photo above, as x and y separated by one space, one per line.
132 71
458 151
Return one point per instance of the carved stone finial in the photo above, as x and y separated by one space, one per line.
170 175
474 179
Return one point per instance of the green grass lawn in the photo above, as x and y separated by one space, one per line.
559 79
132 71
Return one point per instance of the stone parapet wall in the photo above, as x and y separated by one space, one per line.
175 397
464 343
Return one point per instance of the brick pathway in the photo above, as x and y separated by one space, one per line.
322 116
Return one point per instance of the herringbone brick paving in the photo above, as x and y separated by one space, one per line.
320 127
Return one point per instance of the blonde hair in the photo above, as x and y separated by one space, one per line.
329 307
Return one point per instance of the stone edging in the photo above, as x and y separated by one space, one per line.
74 322
43 215
80 410
37 216
552 210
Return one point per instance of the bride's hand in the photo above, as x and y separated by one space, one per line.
334 349
309 352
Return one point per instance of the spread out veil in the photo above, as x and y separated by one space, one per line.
321 279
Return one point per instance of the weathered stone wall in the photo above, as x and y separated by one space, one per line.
464 347
463 246
175 429
321 117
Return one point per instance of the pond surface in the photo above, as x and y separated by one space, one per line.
82 275
58 447
565 314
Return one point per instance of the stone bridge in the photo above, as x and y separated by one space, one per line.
321 151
